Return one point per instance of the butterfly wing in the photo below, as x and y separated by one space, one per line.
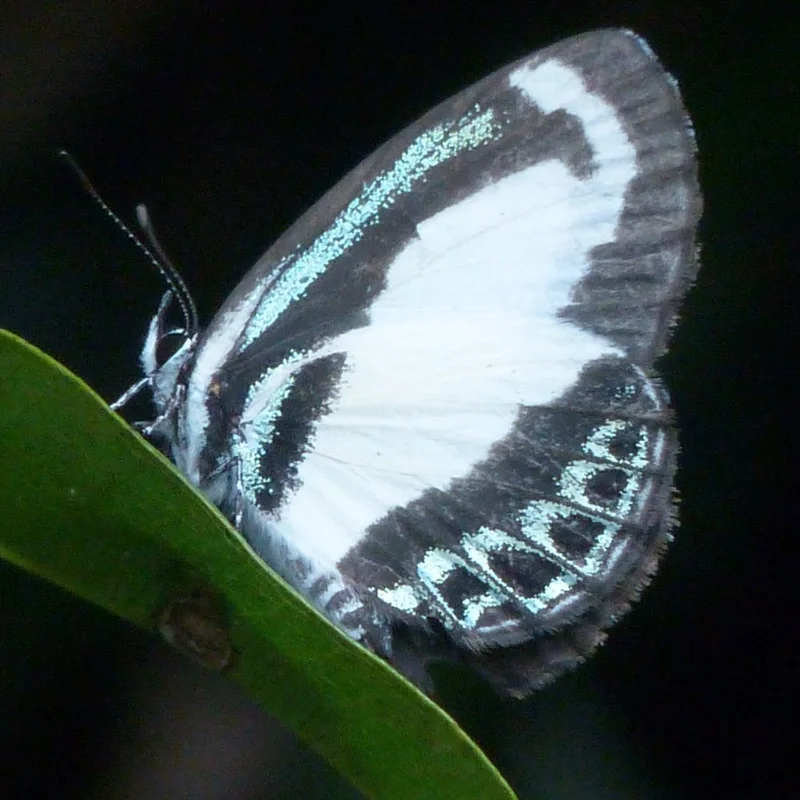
437 387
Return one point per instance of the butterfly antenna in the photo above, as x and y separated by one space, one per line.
155 252
170 271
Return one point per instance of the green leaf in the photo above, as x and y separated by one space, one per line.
90 506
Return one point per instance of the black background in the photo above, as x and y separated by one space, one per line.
228 120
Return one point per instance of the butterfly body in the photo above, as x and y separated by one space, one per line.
431 405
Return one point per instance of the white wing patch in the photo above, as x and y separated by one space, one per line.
466 331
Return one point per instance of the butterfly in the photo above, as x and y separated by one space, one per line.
431 406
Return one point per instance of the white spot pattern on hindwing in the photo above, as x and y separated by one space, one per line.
536 523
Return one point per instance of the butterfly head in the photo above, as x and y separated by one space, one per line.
167 352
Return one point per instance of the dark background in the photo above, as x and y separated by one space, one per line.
228 120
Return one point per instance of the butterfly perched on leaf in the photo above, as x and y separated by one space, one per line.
431 406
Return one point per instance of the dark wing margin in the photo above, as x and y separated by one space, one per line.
637 282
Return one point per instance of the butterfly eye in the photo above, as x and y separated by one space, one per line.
169 344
